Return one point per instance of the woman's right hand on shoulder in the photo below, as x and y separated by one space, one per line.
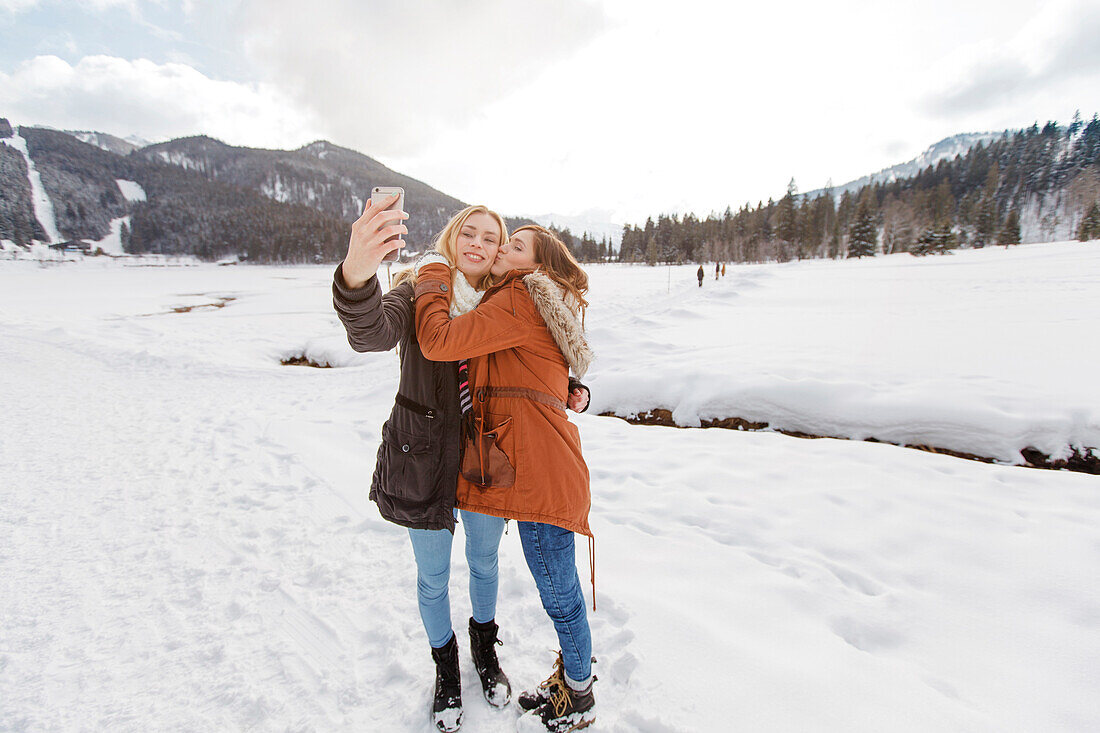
368 243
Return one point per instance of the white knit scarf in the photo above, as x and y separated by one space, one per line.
464 297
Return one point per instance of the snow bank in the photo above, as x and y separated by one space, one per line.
983 351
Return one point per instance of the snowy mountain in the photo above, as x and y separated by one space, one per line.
945 149
108 142
197 194
60 190
604 222
599 223
332 179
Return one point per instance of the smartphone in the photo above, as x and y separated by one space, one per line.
379 194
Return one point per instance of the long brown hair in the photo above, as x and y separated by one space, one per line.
558 262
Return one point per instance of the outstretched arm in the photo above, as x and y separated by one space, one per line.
373 321
492 326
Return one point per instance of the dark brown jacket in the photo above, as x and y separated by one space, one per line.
416 469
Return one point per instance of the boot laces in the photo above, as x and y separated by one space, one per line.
488 654
556 687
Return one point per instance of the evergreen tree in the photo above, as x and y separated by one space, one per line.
934 240
986 221
863 234
1010 233
651 252
1090 225
1076 125
986 214
786 215
834 241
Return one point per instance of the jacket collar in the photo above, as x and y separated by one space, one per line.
561 321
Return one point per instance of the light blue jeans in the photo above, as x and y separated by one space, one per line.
432 548
551 556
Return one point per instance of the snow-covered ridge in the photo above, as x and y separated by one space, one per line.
43 207
182 160
599 223
945 149
108 142
294 192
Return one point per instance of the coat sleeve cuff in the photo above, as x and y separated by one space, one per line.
433 278
354 295
431 286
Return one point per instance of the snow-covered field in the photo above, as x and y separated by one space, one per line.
186 544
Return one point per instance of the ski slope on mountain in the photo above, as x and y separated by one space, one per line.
188 544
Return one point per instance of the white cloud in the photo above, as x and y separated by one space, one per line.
153 100
633 105
712 105
389 77
17 6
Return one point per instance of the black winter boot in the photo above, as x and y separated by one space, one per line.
483 644
447 706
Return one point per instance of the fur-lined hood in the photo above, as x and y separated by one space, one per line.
561 321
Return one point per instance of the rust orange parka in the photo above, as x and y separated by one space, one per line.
518 337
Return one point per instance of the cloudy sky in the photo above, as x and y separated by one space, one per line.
629 106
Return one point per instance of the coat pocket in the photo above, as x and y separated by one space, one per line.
489 451
409 464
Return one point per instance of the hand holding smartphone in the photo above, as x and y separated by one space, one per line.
381 194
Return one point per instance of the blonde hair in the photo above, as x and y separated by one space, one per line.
552 256
446 242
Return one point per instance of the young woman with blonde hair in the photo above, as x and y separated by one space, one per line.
416 470
523 457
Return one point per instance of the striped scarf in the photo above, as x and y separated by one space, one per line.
464 399
464 299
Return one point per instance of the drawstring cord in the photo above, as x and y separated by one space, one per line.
592 566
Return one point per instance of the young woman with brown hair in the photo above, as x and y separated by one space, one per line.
523 457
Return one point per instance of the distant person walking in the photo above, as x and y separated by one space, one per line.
700 275
723 269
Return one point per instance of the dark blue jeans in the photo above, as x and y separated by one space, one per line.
551 556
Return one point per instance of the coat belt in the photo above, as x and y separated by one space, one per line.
534 395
